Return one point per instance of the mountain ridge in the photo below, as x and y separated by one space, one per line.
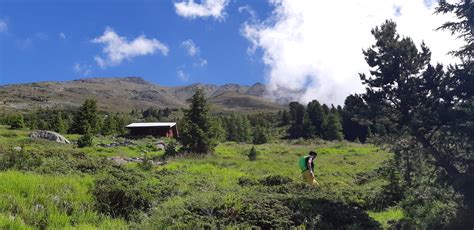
121 94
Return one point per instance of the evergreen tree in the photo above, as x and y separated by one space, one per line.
297 114
110 126
121 121
86 139
352 115
285 119
333 128
424 102
307 128
260 136
86 117
196 134
58 124
316 116
238 128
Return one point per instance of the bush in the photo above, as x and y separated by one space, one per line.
170 149
123 193
85 140
146 164
274 180
16 122
252 155
260 136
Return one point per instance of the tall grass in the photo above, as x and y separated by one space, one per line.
42 201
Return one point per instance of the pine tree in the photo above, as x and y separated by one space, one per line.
86 139
58 124
86 117
260 136
297 114
110 126
285 119
316 116
196 134
333 128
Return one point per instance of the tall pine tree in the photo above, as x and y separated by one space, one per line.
197 134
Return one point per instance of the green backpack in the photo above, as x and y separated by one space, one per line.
303 164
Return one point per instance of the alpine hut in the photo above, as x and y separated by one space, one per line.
157 129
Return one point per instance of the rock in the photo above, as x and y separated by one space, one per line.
117 144
49 135
161 145
118 160
17 148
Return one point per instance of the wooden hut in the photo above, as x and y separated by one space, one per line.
157 129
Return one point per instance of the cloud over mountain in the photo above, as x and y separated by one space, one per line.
313 49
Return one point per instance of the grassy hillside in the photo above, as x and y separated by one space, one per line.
51 185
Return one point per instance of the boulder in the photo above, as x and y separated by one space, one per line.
161 145
49 135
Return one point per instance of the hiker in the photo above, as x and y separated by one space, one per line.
307 168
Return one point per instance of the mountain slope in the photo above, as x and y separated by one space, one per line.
127 93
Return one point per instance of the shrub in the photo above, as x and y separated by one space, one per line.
260 136
170 149
85 140
252 155
146 164
123 193
274 180
16 122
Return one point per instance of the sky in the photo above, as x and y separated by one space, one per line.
302 49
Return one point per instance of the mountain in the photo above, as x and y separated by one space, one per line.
127 93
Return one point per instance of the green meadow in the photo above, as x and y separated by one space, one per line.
51 186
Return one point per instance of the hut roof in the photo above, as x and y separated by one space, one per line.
151 124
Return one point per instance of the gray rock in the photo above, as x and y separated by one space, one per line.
17 148
161 145
49 135
118 160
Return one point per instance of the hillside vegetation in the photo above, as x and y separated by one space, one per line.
48 185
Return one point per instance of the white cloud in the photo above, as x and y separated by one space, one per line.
201 62
183 76
190 47
249 10
82 70
62 35
313 49
3 26
207 8
117 48
193 50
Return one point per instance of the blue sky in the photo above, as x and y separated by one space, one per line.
301 49
53 40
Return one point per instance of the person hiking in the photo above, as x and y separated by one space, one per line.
307 168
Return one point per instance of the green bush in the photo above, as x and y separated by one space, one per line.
252 155
16 122
85 140
260 136
146 164
170 149
123 193
51 161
